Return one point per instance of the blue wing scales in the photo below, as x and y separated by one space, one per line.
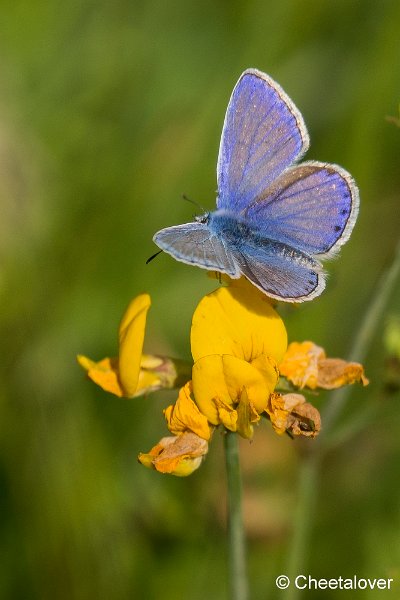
312 206
194 244
263 134
294 214
283 274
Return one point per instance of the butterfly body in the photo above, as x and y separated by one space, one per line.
241 238
232 229
275 219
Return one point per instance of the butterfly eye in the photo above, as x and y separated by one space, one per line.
203 218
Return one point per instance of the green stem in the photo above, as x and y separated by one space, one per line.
303 519
236 541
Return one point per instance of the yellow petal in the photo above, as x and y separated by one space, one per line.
226 415
131 337
184 415
218 382
239 322
151 362
180 455
161 372
85 362
242 283
247 415
259 384
268 368
209 385
104 373
147 382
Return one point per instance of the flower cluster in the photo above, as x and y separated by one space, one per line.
239 349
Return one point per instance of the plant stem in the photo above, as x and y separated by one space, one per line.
236 543
303 520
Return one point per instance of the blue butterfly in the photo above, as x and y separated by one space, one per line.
275 219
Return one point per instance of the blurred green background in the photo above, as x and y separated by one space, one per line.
109 111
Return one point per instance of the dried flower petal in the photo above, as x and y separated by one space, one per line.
291 413
180 455
305 365
304 419
335 372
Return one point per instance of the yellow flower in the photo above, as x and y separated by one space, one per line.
236 320
180 455
237 341
133 373
305 365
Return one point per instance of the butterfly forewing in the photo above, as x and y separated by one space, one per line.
263 134
194 244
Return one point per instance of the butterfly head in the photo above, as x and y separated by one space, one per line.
203 218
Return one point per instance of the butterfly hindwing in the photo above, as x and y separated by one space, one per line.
283 273
312 206
263 134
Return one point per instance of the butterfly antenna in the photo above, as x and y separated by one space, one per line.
194 202
153 256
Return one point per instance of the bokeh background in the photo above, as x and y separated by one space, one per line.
109 111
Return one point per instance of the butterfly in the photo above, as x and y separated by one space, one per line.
275 219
